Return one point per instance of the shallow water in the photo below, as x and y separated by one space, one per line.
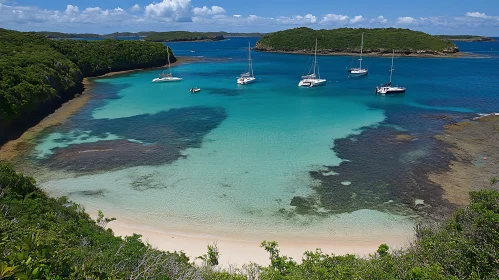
238 159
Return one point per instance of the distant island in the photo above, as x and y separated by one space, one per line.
60 35
180 36
152 36
466 38
185 36
345 41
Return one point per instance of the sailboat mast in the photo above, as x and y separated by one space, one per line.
169 67
250 63
315 55
361 46
391 69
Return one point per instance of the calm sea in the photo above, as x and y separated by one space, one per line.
268 157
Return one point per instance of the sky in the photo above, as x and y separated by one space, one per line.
478 17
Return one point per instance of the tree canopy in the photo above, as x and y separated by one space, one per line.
376 40
34 69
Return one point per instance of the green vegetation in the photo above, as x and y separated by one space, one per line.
34 69
465 38
48 238
178 36
348 40
184 36
96 58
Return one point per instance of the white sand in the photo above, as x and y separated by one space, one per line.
241 249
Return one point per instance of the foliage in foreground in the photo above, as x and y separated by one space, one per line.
47 238
376 40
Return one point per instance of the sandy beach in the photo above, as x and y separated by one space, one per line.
243 249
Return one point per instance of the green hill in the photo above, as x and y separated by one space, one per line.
38 74
348 40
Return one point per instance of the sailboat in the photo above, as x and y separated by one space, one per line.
359 71
248 77
388 88
311 79
167 76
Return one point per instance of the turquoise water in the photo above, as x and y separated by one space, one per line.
234 159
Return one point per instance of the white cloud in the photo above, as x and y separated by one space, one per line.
476 15
379 19
205 11
302 20
170 10
357 19
406 20
135 8
334 19
182 15
92 10
72 10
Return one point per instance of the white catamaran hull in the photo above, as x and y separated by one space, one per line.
312 82
166 79
246 80
390 90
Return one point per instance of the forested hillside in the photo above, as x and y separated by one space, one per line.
38 74
348 40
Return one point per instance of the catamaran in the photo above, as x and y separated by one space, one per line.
167 76
356 72
312 80
388 88
248 77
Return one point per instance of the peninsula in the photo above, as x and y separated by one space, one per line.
39 74
347 41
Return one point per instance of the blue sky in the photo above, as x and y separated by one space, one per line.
480 17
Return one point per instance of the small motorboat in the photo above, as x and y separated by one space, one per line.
195 89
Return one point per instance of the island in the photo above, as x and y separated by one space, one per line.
466 38
186 36
183 36
347 41
38 74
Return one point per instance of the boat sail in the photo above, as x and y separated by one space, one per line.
312 79
388 88
248 77
356 72
167 76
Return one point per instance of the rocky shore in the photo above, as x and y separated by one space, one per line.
476 158
378 53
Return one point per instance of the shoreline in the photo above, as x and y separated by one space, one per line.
474 145
244 247
11 149
425 55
